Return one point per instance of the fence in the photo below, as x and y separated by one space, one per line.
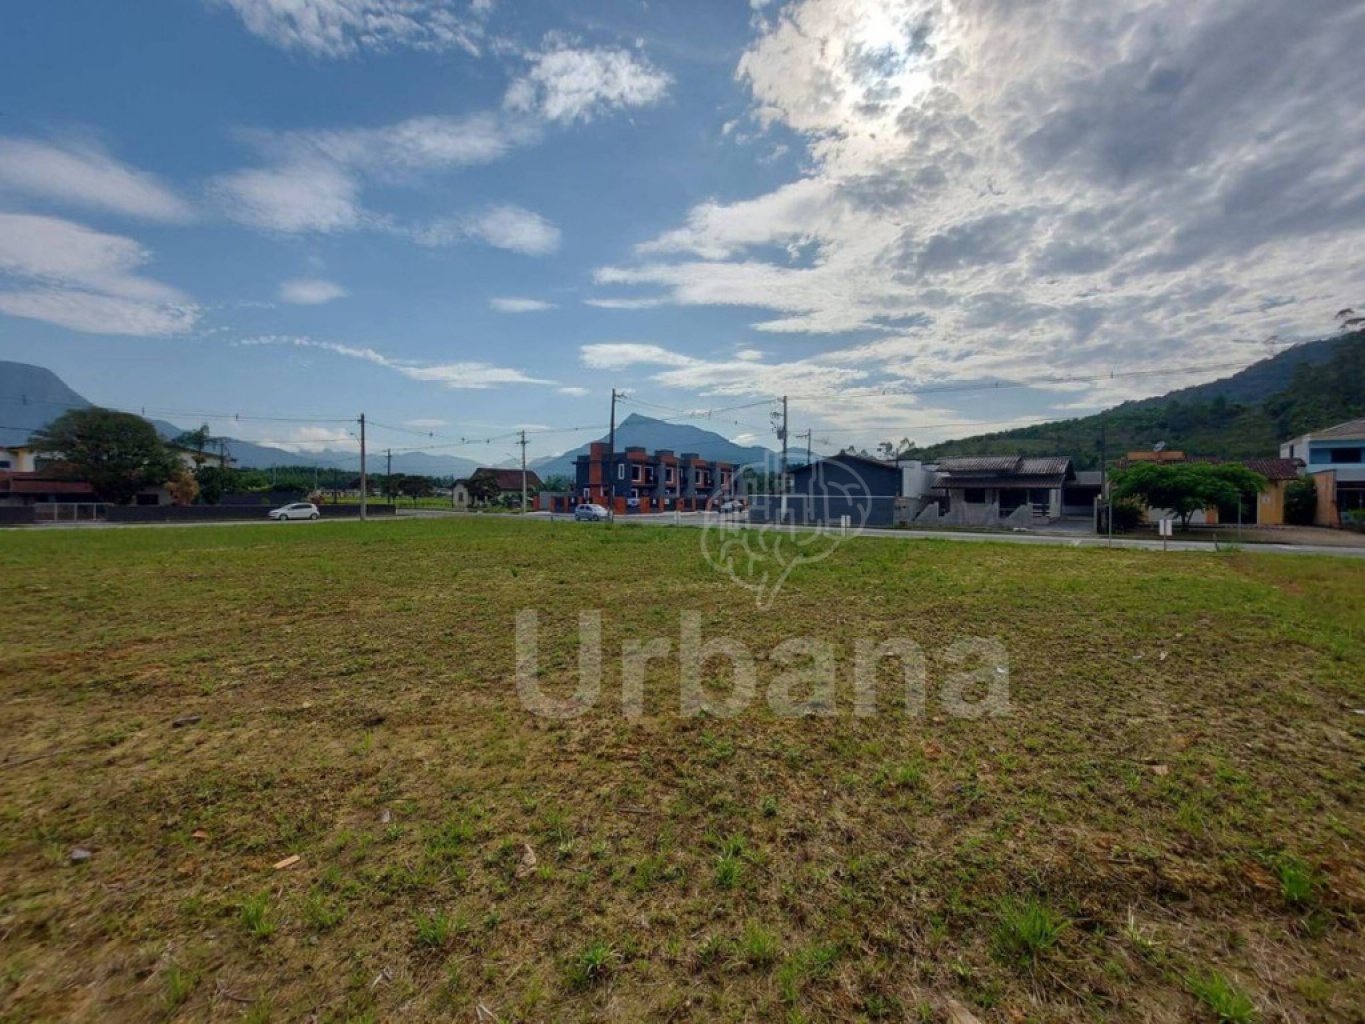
68 512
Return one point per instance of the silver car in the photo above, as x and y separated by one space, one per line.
298 510
591 513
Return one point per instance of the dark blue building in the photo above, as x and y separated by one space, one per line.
862 488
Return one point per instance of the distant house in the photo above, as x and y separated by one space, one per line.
1335 460
31 488
193 458
459 494
18 458
1002 484
981 491
638 480
1269 508
507 481
824 491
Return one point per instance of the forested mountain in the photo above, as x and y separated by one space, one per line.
1306 388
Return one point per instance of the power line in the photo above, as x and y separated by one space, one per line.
894 391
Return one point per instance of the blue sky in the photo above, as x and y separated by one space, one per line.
471 217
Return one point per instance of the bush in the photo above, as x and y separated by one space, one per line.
1301 503
1354 519
1127 516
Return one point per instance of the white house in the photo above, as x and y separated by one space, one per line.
17 458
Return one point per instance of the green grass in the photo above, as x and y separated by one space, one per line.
593 964
1178 724
1026 929
1222 998
257 916
435 929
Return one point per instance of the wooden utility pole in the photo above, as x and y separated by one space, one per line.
782 475
364 480
523 472
611 459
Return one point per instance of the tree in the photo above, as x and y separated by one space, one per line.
196 441
117 453
214 481
483 488
1187 487
1301 503
558 483
892 450
184 488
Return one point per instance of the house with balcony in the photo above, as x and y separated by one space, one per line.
637 480
1334 460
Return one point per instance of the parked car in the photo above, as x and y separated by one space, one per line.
298 510
732 506
591 513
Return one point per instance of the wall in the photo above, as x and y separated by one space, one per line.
225 513
1326 483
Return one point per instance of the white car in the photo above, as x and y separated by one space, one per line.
298 510
591 513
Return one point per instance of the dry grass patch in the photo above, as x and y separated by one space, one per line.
1165 828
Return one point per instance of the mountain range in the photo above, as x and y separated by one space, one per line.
1308 387
651 434
32 397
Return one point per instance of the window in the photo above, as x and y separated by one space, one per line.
621 471
4 464
1334 456
974 496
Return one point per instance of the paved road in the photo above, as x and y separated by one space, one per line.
698 520
1071 540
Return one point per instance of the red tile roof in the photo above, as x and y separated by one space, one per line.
509 479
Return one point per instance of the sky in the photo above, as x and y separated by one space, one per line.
468 217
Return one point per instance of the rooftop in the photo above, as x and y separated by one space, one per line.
1351 430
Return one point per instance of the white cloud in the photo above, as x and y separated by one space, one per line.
566 84
414 145
310 291
306 440
291 198
85 280
513 228
619 355
463 376
994 193
574 392
625 303
737 376
81 174
342 28
513 305
424 424
98 314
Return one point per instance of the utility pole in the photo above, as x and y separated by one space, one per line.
1104 478
611 459
364 480
523 472
782 476
807 436
388 472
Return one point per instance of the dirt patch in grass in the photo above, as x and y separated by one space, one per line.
1166 826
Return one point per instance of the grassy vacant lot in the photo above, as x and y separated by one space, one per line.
1167 828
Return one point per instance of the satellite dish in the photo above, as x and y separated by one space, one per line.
1159 447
